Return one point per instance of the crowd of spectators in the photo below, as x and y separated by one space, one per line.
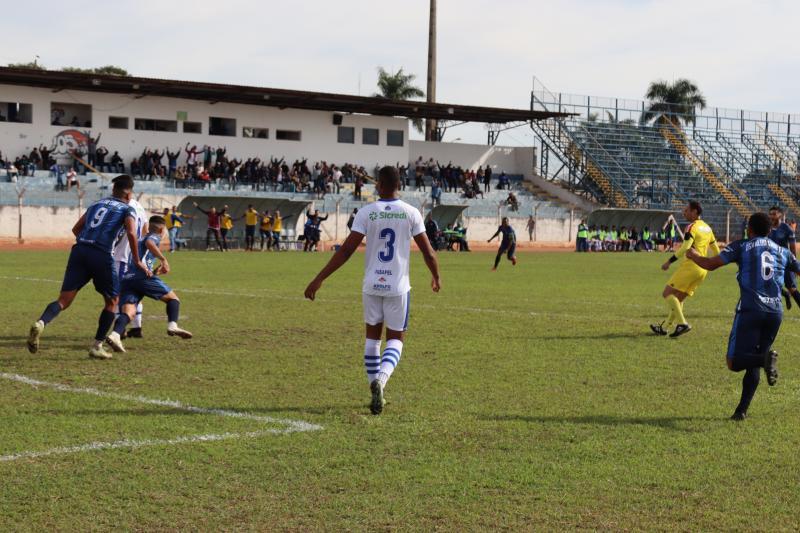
198 167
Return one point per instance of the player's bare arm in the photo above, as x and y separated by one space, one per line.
707 263
130 231
430 260
76 229
349 246
163 267
496 233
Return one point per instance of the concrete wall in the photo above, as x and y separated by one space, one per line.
512 160
319 135
44 223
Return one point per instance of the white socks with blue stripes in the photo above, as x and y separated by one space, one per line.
390 359
137 319
372 358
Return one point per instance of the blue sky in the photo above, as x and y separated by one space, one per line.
743 54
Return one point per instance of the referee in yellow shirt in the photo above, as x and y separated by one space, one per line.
689 276
250 223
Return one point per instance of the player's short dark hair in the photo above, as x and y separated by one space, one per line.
389 178
759 224
123 182
776 208
157 219
694 205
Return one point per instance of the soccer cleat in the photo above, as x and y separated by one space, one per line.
658 329
514 261
175 331
376 406
494 269
770 367
738 416
680 329
134 333
33 336
115 342
98 352
788 297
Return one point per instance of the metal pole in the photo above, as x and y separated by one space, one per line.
536 223
336 231
20 195
571 214
430 124
728 225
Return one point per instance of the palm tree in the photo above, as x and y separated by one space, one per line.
673 102
399 86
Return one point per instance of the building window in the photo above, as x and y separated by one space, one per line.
288 135
70 114
394 137
192 127
118 123
346 134
16 112
255 133
371 136
149 124
225 127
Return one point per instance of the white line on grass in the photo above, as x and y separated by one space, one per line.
291 426
133 444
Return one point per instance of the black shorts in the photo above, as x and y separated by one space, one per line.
508 249
753 332
250 231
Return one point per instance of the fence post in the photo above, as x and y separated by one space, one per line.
336 232
728 225
20 195
571 215
535 223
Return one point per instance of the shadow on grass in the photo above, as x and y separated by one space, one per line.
668 422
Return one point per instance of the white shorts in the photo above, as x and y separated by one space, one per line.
392 311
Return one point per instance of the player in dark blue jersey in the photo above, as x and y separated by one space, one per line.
91 258
783 234
137 282
762 264
508 245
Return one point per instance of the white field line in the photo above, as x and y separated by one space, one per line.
133 444
291 426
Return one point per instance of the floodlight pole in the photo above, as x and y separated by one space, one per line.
430 124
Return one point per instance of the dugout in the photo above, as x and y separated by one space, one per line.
194 229
444 215
654 219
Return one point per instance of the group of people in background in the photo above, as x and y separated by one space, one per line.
626 239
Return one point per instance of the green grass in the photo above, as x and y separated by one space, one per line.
528 399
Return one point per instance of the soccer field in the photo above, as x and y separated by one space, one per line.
533 398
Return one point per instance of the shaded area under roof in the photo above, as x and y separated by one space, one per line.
263 96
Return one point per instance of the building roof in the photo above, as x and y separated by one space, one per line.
264 96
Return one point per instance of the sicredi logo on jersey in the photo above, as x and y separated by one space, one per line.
384 215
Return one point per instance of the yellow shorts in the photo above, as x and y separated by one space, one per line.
687 278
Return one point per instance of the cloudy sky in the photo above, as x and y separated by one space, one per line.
743 54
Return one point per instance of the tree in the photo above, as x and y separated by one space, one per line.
673 102
399 86
31 64
111 70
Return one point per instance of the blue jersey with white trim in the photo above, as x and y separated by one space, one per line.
783 235
147 257
105 223
762 263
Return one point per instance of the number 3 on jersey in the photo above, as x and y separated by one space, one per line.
387 234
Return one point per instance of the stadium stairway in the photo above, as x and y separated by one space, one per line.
787 200
678 141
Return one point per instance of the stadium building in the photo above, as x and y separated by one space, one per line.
63 111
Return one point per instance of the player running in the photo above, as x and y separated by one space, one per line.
122 257
689 276
508 245
389 225
762 264
136 284
91 259
783 235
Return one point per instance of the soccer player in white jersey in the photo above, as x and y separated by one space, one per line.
122 255
389 226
